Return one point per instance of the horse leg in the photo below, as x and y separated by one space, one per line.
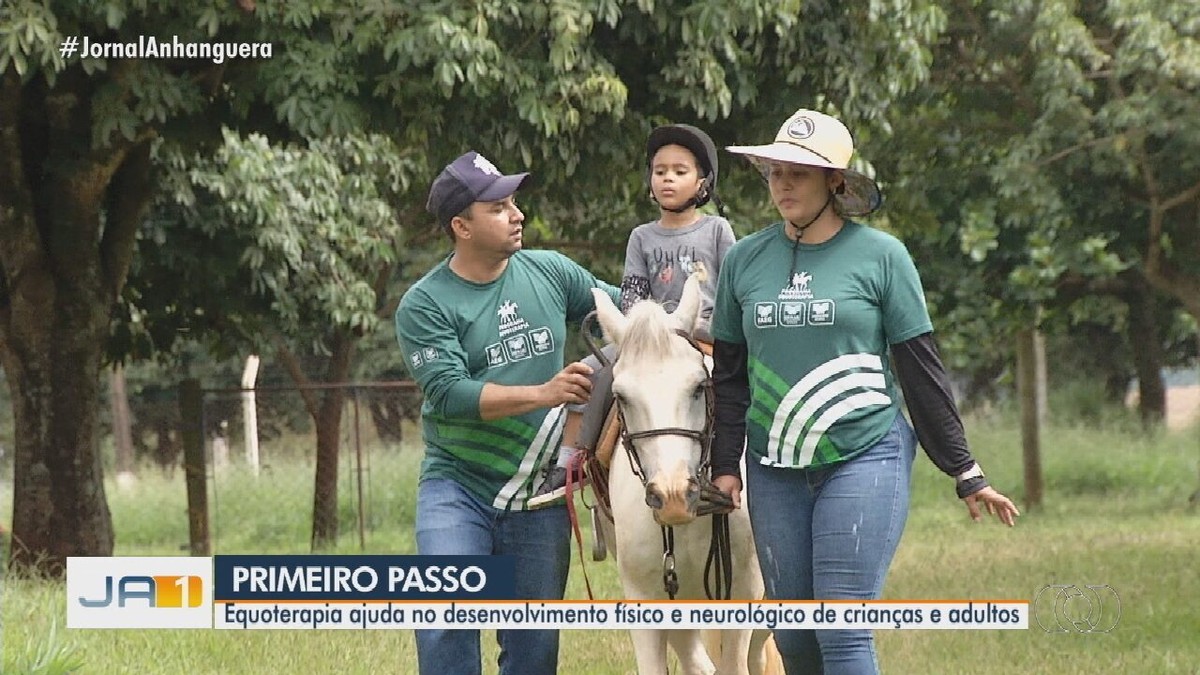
734 646
650 650
757 656
689 647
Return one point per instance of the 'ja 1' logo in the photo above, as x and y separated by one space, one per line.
157 591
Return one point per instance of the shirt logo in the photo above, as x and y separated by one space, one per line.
797 288
791 313
495 354
517 347
821 312
416 360
543 341
507 312
764 315
509 321
430 354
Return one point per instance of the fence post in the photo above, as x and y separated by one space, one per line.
1031 386
191 414
250 412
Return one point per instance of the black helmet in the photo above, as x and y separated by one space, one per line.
698 143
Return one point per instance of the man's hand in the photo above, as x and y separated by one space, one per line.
569 385
732 486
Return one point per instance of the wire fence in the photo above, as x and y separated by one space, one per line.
266 468
274 455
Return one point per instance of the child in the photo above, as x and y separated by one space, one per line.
681 163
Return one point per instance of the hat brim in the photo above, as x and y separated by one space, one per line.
783 152
860 195
502 187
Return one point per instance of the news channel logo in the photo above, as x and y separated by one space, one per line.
142 592
1071 608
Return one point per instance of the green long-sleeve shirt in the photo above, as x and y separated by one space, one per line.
458 335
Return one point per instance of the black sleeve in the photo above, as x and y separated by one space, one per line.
931 406
731 385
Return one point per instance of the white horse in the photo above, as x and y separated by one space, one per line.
661 383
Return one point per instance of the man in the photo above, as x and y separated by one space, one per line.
483 335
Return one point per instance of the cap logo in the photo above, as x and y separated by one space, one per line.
801 128
485 166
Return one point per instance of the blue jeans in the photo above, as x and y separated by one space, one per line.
830 534
452 521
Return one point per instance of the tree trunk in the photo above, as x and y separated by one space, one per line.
59 508
1145 341
325 409
389 408
325 493
62 268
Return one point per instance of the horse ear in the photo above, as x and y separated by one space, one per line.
689 301
612 321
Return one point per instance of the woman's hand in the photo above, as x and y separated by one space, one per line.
732 486
996 503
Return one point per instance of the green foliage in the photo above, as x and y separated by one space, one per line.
319 220
46 654
29 38
1031 162
568 90
299 238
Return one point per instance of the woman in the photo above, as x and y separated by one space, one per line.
810 316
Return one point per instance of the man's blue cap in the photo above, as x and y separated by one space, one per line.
470 178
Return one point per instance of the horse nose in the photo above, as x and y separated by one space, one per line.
693 496
654 498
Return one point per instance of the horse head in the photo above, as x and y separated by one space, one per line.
663 389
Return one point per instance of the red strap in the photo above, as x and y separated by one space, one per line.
575 477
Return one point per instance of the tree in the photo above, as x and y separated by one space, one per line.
1056 145
549 83
320 239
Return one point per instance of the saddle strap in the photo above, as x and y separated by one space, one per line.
575 477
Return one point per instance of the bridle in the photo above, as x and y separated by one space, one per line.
718 569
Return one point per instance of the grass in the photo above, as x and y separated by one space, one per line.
1116 513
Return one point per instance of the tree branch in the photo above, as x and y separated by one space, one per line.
385 306
1181 198
292 365
1075 148
129 197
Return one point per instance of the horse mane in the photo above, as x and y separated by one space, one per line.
649 331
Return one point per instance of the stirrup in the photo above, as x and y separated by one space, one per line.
599 547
